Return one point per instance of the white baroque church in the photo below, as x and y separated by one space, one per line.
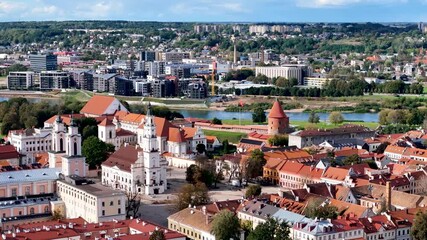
140 168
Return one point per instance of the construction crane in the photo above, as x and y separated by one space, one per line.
213 77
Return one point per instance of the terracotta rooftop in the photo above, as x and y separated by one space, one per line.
97 105
344 129
106 122
8 152
176 135
123 158
277 111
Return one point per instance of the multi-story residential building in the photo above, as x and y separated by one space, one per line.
294 175
306 138
101 82
174 56
120 86
148 56
82 79
142 88
162 88
258 29
31 141
155 68
20 80
9 156
39 63
288 71
197 90
54 80
206 28
92 201
396 153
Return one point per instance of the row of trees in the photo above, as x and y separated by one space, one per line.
399 116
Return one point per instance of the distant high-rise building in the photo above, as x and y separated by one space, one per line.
163 88
39 63
288 71
174 56
82 79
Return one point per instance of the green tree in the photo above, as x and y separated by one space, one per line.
278 140
157 235
255 164
225 225
313 118
425 124
381 148
272 229
316 208
419 227
95 151
336 118
382 116
216 121
352 159
89 130
258 116
253 191
192 194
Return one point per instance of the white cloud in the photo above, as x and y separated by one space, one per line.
11 6
47 10
340 3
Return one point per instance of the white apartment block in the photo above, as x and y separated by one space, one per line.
174 56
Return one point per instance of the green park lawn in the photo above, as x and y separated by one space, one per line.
232 137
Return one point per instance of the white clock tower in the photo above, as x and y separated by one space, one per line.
154 169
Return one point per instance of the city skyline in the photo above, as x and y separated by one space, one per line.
217 11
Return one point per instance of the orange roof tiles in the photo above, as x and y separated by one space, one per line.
97 105
176 135
211 139
277 111
106 122
123 158
335 173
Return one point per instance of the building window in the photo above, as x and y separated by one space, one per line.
27 190
103 212
20 213
42 189
111 203
103 204
31 211
46 209
118 202
13 192
119 211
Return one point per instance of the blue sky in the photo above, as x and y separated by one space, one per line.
216 10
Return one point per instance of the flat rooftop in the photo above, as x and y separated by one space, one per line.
95 189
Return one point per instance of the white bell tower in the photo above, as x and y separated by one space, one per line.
73 162
155 182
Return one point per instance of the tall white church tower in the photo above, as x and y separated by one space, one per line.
58 143
155 170
73 162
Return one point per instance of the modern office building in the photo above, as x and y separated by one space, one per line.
197 90
101 82
155 68
50 80
20 80
39 63
142 88
120 86
288 71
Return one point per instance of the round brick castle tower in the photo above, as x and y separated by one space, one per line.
278 122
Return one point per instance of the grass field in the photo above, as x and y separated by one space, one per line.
425 90
232 137
77 95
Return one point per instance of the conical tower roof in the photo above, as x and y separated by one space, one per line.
277 111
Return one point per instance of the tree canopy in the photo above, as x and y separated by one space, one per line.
272 229
225 225
95 151
419 227
192 194
258 116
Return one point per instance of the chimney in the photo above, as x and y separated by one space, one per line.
388 195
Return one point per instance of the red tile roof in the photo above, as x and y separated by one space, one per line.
176 135
122 133
66 118
106 122
8 152
97 105
123 158
277 111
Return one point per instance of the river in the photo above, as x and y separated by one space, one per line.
210 114
293 116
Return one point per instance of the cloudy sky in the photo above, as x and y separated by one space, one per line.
216 10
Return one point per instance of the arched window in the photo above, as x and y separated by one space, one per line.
31 211
111 134
61 145
75 148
